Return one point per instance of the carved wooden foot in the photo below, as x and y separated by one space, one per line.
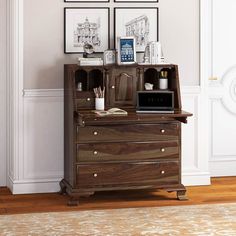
63 188
181 195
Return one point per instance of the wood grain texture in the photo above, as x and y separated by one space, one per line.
222 190
120 174
140 132
135 151
124 151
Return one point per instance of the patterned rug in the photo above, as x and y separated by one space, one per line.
197 220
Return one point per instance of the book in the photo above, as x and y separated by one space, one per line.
112 111
91 61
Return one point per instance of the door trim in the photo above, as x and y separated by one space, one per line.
14 90
3 81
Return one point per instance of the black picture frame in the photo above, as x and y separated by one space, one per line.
128 17
136 1
76 1
75 37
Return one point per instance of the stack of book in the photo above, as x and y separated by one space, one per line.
155 53
91 61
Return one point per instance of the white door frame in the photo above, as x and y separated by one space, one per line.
14 91
3 88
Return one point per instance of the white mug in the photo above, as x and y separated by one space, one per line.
163 83
99 104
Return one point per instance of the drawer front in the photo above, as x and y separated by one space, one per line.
156 173
88 102
127 151
128 133
85 100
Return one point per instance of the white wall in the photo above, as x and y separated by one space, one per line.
44 38
3 92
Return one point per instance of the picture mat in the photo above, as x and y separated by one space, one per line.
74 16
125 15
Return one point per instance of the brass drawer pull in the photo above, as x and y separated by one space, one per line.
163 150
113 86
88 99
95 175
162 172
95 133
163 131
95 152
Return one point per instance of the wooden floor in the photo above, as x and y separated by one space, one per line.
222 190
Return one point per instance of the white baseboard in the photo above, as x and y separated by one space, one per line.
196 178
43 186
218 168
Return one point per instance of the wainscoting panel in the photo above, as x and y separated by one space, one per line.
194 154
43 142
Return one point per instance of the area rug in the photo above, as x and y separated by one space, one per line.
197 220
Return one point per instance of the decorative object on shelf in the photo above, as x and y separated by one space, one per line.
86 26
79 86
163 80
148 86
99 98
141 23
88 49
126 50
153 53
109 57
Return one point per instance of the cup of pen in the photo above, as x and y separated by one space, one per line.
99 99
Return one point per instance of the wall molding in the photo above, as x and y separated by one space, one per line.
3 94
43 92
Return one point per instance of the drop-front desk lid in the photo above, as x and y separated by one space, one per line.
89 117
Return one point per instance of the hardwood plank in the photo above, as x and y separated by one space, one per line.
222 190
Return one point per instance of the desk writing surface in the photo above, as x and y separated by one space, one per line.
90 118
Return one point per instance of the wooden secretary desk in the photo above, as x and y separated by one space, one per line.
136 151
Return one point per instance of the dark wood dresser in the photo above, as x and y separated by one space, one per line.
134 151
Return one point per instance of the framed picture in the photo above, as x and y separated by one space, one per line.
141 23
143 1
86 26
126 53
86 1
109 57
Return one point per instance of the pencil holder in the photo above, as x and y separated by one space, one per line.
99 104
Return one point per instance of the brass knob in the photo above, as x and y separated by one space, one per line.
95 133
162 131
162 172
95 152
162 149
95 175
113 86
88 99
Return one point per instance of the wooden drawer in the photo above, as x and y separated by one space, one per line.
143 173
85 100
127 151
142 132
